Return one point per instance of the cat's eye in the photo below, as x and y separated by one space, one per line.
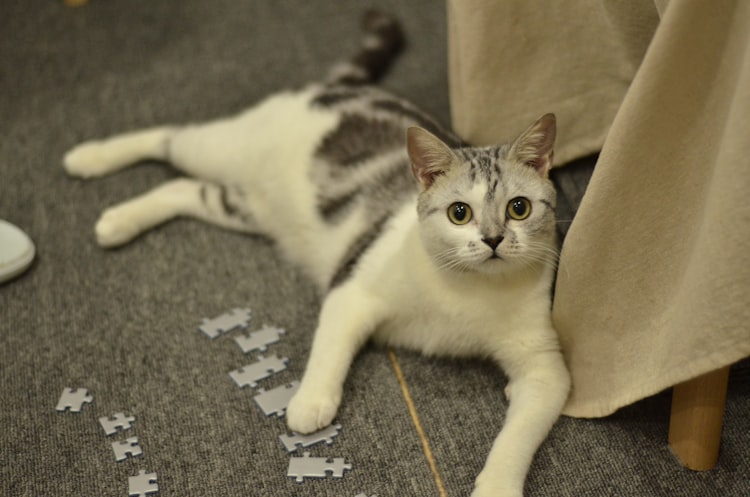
459 213
519 208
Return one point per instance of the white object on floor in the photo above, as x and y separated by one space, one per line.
16 251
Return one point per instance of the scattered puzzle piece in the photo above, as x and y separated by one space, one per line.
73 399
274 401
316 467
263 368
259 340
236 318
116 422
128 448
294 441
142 484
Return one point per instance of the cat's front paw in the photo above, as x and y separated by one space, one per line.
115 227
310 411
494 486
495 493
87 160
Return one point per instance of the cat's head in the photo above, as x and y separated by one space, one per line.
487 209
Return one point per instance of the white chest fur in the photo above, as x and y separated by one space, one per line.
445 312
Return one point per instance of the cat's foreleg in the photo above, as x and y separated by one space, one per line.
347 319
100 157
180 197
538 387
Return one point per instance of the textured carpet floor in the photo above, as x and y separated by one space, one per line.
124 323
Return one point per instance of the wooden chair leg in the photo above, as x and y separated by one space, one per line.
696 419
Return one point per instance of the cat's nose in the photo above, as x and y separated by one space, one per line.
493 242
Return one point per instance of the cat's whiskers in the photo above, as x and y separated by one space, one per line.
540 255
535 255
453 264
447 260
540 259
542 247
448 253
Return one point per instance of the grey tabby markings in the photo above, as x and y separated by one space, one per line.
363 159
383 42
413 114
228 200
359 138
363 163
484 164
334 96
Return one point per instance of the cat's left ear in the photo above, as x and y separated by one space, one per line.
535 145
430 157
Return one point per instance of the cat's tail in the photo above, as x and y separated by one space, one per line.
383 41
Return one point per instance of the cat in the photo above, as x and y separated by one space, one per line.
414 238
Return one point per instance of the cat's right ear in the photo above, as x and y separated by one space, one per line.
534 146
430 157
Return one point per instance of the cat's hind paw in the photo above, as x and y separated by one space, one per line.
115 228
309 412
88 160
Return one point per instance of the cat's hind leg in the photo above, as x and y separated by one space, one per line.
203 200
100 157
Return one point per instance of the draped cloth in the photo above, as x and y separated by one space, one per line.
653 284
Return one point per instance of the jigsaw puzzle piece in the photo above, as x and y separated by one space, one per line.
294 441
259 340
276 400
316 467
73 399
142 484
116 422
127 448
262 368
236 318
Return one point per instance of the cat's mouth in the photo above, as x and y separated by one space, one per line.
494 256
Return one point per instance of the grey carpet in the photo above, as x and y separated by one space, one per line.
124 323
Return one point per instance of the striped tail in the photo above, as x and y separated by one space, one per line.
383 41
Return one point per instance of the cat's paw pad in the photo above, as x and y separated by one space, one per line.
86 160
310 412
115 228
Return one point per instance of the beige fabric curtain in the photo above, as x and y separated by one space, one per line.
654 279
512 61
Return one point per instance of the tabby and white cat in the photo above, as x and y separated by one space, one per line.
415 239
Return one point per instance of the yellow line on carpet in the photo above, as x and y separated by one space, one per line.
417 423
